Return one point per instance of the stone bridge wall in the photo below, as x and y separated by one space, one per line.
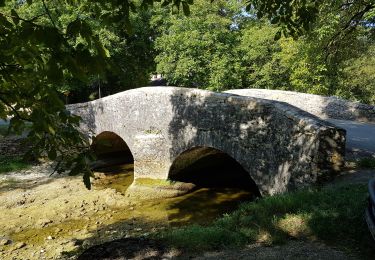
280 146
323 107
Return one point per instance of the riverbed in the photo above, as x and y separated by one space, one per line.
56 217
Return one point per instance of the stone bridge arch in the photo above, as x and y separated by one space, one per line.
108 144
207 166
280 146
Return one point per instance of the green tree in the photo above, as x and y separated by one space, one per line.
259 55
244 52
200 50
44 43
131 56
358 80
296 17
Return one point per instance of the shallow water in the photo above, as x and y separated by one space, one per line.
200 206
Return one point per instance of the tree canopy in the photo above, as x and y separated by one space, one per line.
242 52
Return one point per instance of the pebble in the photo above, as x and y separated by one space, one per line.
50 237
44 222
5 241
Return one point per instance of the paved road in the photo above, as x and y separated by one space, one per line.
358 135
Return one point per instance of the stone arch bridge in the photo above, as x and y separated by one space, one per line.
166 128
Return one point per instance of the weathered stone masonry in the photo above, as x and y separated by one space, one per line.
320 106
280 146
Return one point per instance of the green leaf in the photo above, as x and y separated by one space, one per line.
52 154
15 16
73 28
128 26
85 31
86 179
277 36
275 20
133 7
175 9
103 52
51 130
54 72
74 68
186 8
165 3
4 22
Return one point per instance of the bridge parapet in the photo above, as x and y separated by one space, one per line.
320 106
280 146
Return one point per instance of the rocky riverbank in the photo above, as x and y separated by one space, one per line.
47 218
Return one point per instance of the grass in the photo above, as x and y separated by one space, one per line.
12 163
334 216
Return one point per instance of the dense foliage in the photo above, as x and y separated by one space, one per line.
219 46
53 47
199 50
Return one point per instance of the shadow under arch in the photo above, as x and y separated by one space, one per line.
211 168
111 149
